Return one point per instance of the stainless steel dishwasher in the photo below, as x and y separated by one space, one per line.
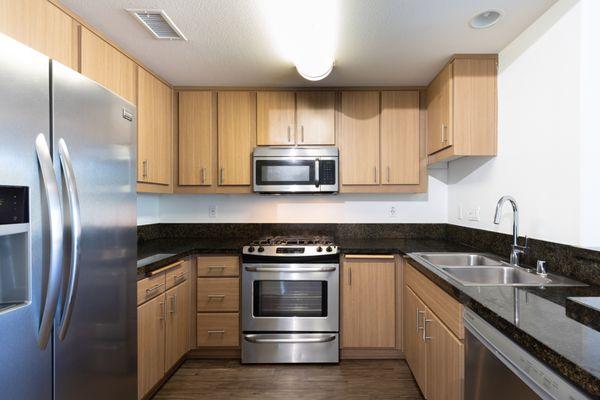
497 368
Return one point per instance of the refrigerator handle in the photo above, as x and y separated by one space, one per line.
56 239
74 209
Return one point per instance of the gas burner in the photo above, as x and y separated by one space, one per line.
296 246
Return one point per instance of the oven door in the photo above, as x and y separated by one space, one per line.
290 298
295 174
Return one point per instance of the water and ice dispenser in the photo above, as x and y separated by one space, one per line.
14 246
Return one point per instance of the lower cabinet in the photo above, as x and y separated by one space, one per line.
164 319
368 304
434 351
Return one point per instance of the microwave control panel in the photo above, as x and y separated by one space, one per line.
327 172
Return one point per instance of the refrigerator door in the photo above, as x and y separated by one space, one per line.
24 257
94 148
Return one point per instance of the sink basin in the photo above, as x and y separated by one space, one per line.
505 276
460 259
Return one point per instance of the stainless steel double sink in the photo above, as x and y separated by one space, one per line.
479 269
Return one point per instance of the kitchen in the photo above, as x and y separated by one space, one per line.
386 199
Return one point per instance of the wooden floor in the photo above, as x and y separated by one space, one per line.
228 379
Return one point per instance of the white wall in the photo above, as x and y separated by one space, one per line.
428 207
547 152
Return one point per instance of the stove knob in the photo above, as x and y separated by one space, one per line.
250 249
329 249
261 249
319 249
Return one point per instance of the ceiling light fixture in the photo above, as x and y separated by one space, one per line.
485 19
304 33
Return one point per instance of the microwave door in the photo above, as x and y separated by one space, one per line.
288 175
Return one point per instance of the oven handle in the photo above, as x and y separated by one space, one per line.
292 270
322 339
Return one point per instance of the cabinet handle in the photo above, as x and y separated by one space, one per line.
178 278
388 174
216 296
222 172
419 312
145 169
425 337
289 134
220 332
216 267
174 304
302 130
203 174
163 312
150 291
349 276
443 133
375 174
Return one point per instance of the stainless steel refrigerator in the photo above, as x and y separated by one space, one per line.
68 267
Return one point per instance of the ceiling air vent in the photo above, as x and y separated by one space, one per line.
159 24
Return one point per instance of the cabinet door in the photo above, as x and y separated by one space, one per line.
275 118
108 66
414 346
368 320
41 26
196 138
155 121
445 361
151 344
439 111
400 138
316 118
236 136
178 323
359 138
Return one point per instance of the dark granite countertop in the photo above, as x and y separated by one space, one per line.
585 310
536 319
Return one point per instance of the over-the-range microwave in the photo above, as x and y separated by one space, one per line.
295 169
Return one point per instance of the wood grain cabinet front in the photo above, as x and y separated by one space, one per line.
151 343
218 329
179 305
218 294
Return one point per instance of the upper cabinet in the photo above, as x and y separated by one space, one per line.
315 113
462 109
41 26
155 121
197 140
275 118
236 137
288 118
108 66
359 138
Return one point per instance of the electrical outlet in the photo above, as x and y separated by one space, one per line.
212 211
393 211
474 213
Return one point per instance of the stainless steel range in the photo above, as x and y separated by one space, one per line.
290 301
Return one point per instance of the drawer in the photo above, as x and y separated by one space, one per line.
150 287
218 294
218 329
213 266
177 274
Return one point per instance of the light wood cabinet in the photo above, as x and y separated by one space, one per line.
151 344
400 138
236 137
315 113
368 321
462 109
41 26
218 294
275 118
218 330
433 337
155 121
178 303
196 138
359 138
108 66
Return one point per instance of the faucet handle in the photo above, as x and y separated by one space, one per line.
541 268
526 242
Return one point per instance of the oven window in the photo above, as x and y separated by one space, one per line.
272 172
290 298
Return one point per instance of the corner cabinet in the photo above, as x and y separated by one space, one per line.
462 109
433 337
155 135
369 325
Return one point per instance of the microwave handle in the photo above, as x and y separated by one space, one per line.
317 182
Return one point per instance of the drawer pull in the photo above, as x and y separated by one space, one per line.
179 278
221 267
216 296
153 289
221 332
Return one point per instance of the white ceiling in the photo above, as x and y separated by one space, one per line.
380 42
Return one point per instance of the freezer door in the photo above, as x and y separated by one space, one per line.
26 369
94 153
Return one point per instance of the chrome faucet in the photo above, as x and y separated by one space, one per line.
516 249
